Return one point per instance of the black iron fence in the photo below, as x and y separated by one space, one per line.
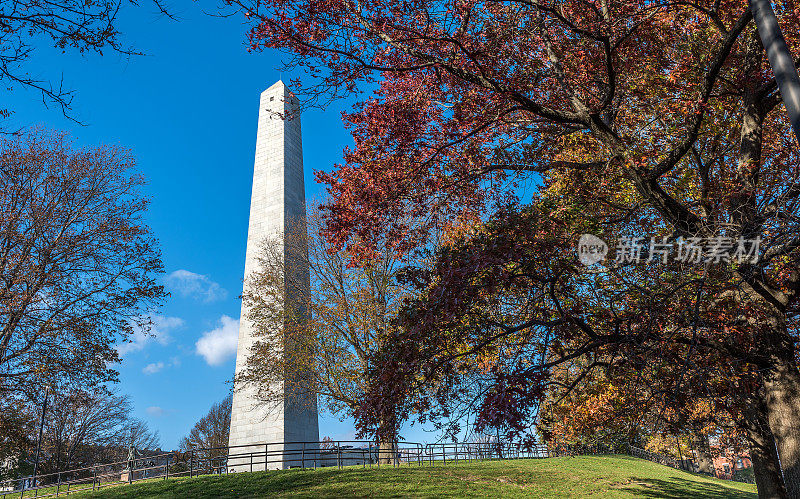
260 457
686 465
659 458
283 455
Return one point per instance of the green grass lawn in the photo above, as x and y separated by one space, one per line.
585 476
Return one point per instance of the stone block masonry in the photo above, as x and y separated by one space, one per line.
277 202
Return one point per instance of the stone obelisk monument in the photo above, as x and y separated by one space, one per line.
277 203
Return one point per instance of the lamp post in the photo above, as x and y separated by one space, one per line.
779 58
41 430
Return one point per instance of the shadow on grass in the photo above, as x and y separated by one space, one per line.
295 483
487 479
682 488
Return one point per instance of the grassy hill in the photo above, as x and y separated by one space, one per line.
598 476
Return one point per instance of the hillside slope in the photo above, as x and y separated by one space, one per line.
598 476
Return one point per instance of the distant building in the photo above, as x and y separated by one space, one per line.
726 462
726 465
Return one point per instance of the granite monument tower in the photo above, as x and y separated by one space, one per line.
277 203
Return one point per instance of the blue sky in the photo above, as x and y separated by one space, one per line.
188 111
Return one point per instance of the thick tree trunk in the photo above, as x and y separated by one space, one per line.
705 460
781 382
766 468
769 483
775 420
387 452
766 465
782 400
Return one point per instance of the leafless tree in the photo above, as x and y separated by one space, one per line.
138 434
212 431
83 428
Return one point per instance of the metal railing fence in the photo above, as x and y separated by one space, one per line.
258 457
281 455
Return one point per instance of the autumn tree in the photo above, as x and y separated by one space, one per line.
594 411
79 264
650 347
326 443
318 348
653 119
212 431
643 409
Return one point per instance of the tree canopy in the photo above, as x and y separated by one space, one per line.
648 119
78 263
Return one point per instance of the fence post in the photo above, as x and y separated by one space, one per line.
339 454
94 478
191 465
266 457
166 474
303 457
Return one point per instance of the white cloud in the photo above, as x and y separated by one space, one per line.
153 367
197 286
159 332
155 411
219 345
